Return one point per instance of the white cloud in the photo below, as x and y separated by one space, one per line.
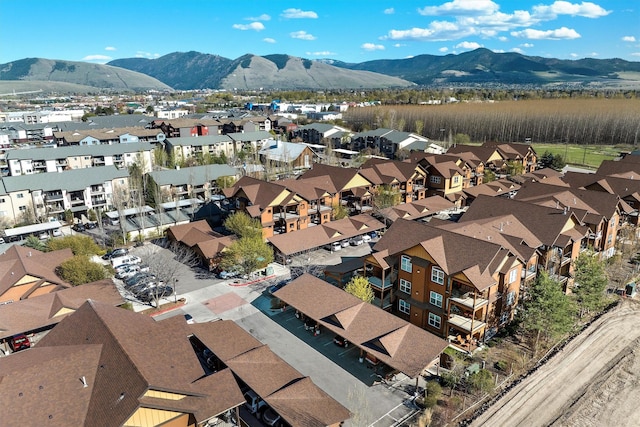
635 54
110 48
97 58
269 40
461 7
563 33
263 17
389 11
629 39
593 54
573 55
398 45
141 54
443 49
503 38
372 46
298 13
584 9
468 45
302 35
321 53
498 50
526 45
256 26
517 50
437 31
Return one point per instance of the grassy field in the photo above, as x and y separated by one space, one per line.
583 155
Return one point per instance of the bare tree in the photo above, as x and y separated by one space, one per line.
167 263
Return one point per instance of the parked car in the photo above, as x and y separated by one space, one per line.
127 259
1 240
91 225
228 274
344 243
253 402
43 236
332 247
136 278
114 253
19 342
160 291
277 286
127 270
340 341
189 319
356 241
271 417
56 232
366 238
78 227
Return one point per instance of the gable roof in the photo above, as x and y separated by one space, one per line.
335 178
395 342
20 261
418 209
548 224
260 194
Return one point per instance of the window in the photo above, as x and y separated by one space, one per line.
404 306
405 263
20 196
2 200
435 320
456 179
511 298
405 286
435 299
513 275
435 179
437 276
22 208
504 318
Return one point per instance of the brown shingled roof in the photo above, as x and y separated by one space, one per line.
395 342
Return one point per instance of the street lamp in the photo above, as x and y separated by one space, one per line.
175 291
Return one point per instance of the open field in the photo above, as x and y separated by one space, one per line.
584 155
591 382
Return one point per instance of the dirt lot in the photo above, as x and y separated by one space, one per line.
593 381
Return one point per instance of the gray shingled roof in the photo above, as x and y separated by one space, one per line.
198 141
193 175
71 180
52 153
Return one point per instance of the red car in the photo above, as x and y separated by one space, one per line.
19 342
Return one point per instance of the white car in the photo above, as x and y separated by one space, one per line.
366 238
57 232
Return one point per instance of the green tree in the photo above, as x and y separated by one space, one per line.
515 167
225 181
34 242
547 313
359 287
80 270
338 211
247 254
160 157
461 139
489 175
590 283
386 197
481 381
242 225
79 245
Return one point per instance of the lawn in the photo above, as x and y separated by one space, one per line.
583 155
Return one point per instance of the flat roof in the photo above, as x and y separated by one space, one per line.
33 228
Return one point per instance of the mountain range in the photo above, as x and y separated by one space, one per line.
194 70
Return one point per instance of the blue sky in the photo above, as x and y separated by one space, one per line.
346 30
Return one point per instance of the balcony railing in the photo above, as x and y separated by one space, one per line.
53 197
385 304
467 301
376 283
97 190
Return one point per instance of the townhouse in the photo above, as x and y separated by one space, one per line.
182 148
445 177
498 156
450 284
195 182
321 133
108 136
559 234
390 142
278 208
58 159
28 273
407 179
287 155
600 212
103 365
47 196
499 188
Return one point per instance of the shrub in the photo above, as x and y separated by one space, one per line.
501 365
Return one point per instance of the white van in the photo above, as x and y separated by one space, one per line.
127 259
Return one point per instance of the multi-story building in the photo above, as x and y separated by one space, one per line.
450 284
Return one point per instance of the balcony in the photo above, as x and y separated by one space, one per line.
467 301
97 189
55 208
98 161
385 304
98 201
595 236
39 165
62 163
529 274
77 201
376 283
466 324
53 197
